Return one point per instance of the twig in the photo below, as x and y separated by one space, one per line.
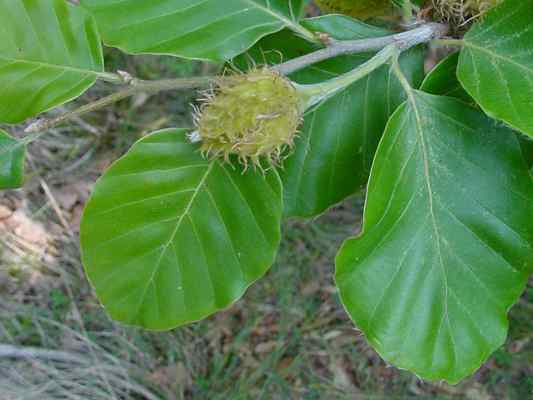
56 208
136 87
402 40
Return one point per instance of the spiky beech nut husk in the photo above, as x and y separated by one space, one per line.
463 10
362 9
253 115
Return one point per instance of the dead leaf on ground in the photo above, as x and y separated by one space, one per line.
341 376
5 212
266 347
25 228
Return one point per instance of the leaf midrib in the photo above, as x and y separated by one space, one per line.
427 177
49 65
296 27
170 241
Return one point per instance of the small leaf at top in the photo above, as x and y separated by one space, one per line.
198 29
169 238
12 155
442 80
496 64
50 53
447 240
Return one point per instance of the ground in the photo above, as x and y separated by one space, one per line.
288 338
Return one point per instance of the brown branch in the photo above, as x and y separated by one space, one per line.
403 40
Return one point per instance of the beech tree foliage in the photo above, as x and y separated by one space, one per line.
309 112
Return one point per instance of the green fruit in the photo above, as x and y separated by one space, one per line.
254 116
362 9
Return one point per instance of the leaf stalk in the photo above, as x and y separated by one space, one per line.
316 93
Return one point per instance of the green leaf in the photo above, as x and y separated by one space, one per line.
334 151
197 29
50 53
12 155
526 143
496 64
442 80
169 238
343 27
447 240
